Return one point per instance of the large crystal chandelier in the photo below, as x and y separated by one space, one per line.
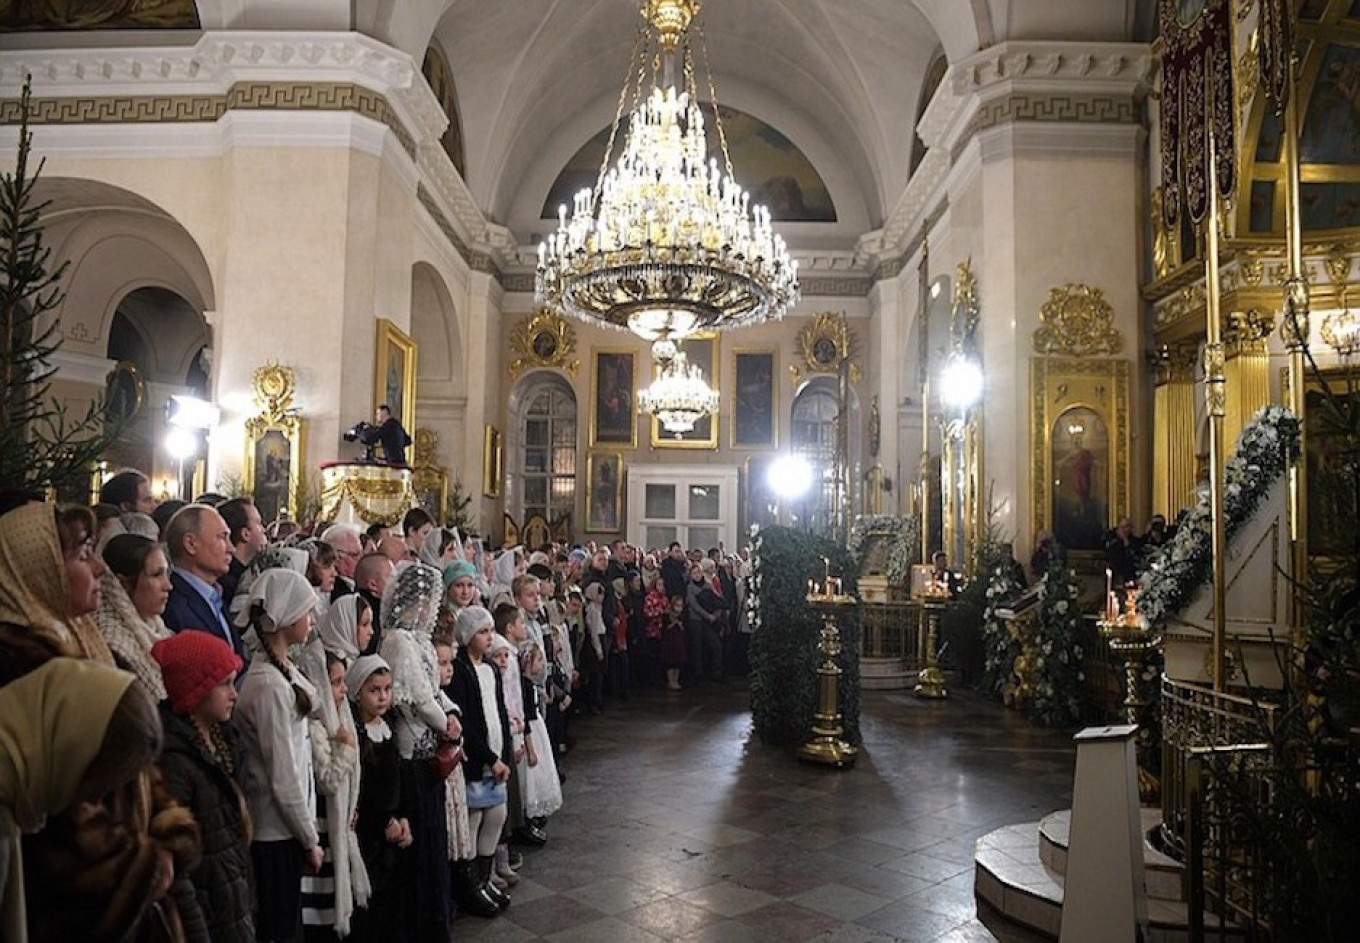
666 241
678 397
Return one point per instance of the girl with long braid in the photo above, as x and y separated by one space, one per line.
272 714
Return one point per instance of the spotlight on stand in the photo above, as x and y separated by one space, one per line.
790 477
188 419
190 412
961 382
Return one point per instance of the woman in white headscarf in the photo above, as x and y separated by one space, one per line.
421 718
504 569
272 716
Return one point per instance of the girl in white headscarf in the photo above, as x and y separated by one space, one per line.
272 716
421 717
330 896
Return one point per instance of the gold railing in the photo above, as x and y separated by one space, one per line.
892 630
1194 717
1223 871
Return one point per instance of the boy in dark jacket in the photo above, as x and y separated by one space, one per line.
199 762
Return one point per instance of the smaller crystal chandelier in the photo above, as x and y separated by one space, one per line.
1341 329
678 397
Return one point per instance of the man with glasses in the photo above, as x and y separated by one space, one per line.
348 546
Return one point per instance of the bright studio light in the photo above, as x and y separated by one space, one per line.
181 443
190 412
790 477
961 382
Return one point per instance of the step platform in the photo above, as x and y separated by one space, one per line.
1019 871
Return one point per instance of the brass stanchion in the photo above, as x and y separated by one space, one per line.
826 743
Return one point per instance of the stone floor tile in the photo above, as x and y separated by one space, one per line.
727 899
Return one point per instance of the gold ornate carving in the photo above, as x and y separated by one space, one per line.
273 386
1214 381
544 339
1337 266
1294 327
1166 240
1253 270
426 447
428 477
1245 332
967 313
825 344
1076 321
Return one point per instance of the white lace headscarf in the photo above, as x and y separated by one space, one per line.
411 599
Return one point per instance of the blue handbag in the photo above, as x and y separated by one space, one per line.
486 793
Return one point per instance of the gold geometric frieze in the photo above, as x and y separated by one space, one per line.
544 339
1076 321
243 96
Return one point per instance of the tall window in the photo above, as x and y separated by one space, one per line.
548 473
814 439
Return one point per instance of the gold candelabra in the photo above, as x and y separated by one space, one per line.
826 743
1132 640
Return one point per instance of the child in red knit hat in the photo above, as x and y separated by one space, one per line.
201 762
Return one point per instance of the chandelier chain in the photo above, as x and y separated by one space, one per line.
637 55
712 95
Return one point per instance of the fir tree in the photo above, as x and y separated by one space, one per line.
42 448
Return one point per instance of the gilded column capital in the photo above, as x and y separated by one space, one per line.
1181 360
1245 332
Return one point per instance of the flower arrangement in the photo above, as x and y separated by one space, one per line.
901 540
1058 679
1000 647
1268 445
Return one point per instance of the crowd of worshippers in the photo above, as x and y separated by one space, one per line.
212 730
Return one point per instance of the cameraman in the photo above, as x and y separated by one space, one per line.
388 433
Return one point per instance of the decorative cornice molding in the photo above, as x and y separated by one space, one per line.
238 71
1017 84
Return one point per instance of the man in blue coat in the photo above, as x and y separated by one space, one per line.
200 548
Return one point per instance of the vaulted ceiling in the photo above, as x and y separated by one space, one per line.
840 78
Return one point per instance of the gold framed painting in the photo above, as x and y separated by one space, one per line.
755 396
394 383
604 492
492 456
1080 437
612 420
702 352
274 444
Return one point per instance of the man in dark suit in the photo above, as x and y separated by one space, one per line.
248 539
387 432
344 539
200 548
370 579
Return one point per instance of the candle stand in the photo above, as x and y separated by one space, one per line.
826 743
1129 637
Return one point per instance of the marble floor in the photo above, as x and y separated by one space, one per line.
679 825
